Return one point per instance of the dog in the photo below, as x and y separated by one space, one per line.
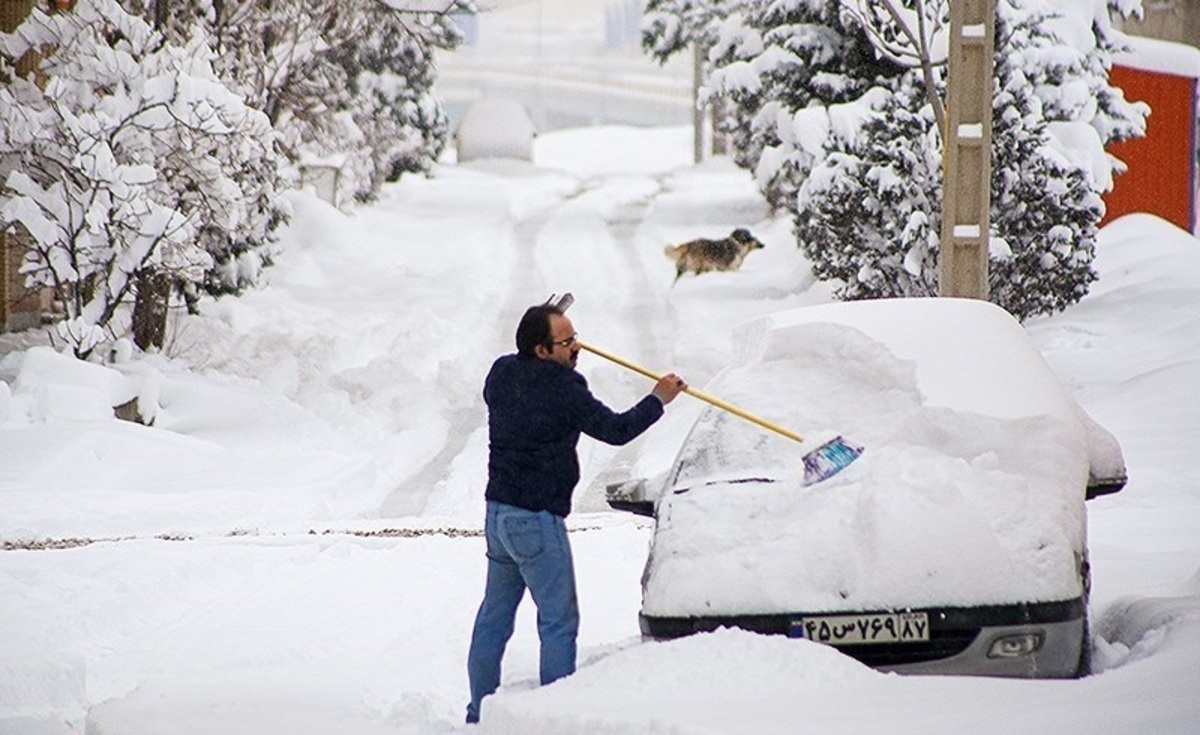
703 255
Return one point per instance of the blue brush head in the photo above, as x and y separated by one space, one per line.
829 459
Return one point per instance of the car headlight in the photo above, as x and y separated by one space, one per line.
1014 646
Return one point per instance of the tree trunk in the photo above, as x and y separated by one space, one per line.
720 139
150 309
161 14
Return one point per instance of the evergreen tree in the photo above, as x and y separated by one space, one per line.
776 59
672 26
390 76
1046 209
867 215
349 82
853 151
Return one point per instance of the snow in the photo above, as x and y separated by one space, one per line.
1079 144
495 128
293 544
972 434
1164 57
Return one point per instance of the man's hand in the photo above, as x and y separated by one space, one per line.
669 386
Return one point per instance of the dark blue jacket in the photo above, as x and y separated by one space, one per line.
536 411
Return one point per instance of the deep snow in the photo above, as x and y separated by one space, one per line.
293 545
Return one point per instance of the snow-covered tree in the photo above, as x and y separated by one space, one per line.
389 68
778 58
1046 206
910 33
126 160
669 27
867 214
672 26
349 81
852 149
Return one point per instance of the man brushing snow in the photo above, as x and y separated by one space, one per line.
537 407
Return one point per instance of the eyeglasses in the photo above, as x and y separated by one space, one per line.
569 341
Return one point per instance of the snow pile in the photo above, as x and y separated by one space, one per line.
344 397
970 491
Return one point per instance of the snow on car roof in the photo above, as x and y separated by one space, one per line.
970 491
984 361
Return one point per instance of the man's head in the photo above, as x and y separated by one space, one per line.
546 333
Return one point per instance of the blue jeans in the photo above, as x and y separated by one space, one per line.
524 549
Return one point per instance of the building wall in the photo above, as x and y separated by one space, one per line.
1161 176
21 307
1169 20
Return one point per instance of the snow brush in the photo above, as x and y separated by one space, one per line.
822 463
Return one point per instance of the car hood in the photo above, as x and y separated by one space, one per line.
970 491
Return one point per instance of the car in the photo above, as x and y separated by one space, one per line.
955 544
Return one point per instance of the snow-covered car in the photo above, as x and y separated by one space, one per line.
957 542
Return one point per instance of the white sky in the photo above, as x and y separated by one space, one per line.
345 397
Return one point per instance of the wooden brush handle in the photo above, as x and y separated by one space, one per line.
711 400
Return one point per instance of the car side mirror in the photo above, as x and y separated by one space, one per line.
630 496
1105 486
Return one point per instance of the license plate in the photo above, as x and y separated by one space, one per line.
902 627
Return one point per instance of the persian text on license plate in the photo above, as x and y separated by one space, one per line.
878 628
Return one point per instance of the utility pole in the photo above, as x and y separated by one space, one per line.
967 150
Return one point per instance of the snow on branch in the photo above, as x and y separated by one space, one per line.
909 36
128 158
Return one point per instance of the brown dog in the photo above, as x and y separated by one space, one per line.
703 255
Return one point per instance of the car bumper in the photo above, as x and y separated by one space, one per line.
1028 640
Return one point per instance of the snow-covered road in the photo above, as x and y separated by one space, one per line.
345 398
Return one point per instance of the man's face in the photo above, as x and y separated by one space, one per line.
564 349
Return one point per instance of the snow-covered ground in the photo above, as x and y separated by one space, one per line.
294 545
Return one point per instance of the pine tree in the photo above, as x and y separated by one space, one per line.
390 75
857 160
777 59
670 27
866 217
1046 210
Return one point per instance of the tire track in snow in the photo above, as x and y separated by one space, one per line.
584 216
647 308
430 484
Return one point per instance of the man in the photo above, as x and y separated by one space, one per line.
537 407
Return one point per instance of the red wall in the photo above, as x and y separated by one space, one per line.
1161 175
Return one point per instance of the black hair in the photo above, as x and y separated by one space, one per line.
534 328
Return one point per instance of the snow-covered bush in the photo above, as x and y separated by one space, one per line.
843 135
350 80
125 156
